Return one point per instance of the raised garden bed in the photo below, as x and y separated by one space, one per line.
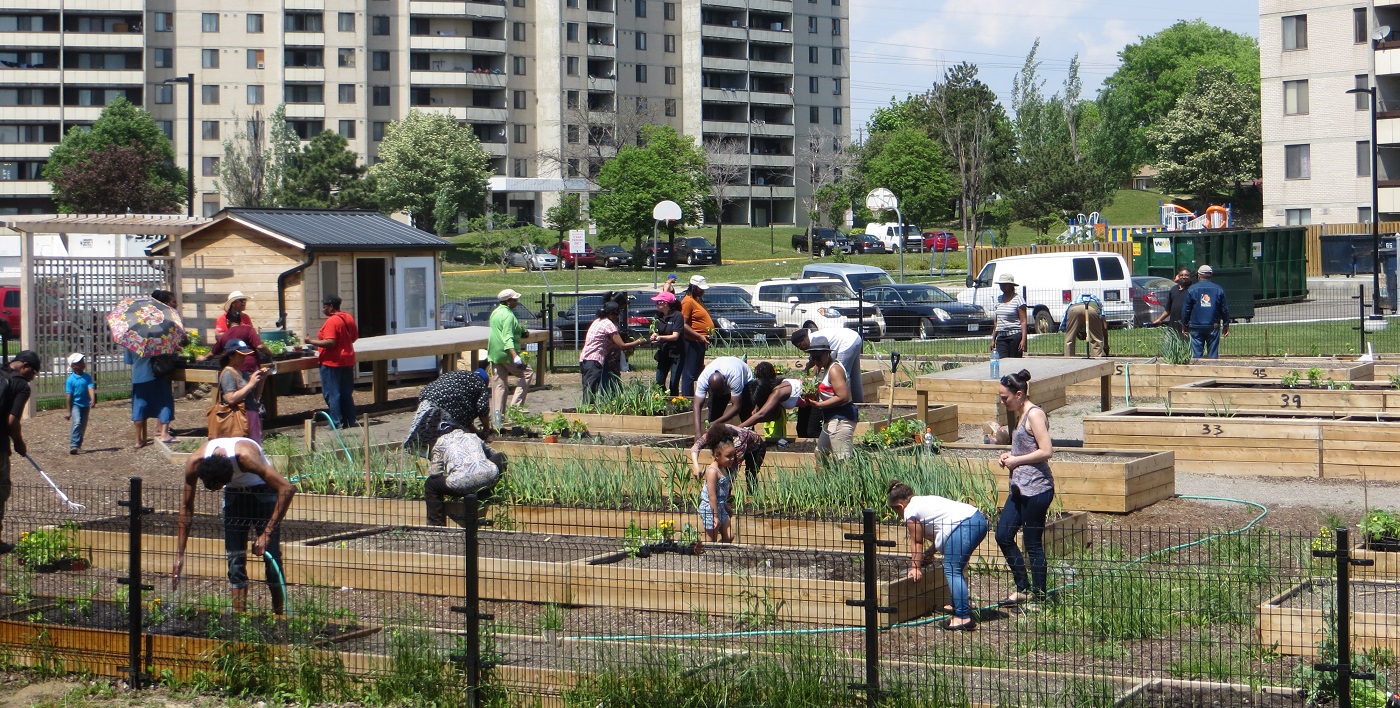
1114 481
1293 621
1267 394
1172 693
675 424
1154 379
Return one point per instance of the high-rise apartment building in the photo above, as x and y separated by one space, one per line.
551 87
1316 136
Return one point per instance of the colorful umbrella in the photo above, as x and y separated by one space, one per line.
146 327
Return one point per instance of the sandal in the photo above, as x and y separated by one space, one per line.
170 440
1016 598
948 626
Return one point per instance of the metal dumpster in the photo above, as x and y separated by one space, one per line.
1347 254
1229 253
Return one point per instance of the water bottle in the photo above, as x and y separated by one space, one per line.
928 441
996 365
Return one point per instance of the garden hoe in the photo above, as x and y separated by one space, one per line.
75 506
894 371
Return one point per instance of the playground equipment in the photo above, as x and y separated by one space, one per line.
1084 229
1175 217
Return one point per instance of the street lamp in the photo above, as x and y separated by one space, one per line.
771 248
188 80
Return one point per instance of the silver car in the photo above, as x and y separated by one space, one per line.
531 257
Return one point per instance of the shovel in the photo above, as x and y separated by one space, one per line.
894 370
75 506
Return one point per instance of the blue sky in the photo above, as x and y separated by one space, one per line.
902 46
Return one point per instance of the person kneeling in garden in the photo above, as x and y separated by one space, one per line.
460 464
255 496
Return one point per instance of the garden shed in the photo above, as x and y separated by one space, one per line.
387 273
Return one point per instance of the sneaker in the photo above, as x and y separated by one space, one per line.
72 450
6 547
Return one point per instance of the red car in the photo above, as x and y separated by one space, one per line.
566 259
938 241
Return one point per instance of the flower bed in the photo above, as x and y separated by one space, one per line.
1294 620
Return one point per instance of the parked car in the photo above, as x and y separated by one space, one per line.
857 277
695 250
613 256
824 241
737 321
640 310
925 312
865 243
938 241
1149 298
9 310
587 259
531 257
890 233
816 303
477 312
658 252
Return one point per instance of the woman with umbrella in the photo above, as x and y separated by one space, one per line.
148 328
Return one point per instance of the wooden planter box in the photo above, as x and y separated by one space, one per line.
1298 630
1154 380
903 395
676 424
1385 564
1120 482
1265 394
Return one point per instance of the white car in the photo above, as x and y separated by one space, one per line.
531 257
816 303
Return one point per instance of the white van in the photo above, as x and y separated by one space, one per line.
856 277
895 238
1051 281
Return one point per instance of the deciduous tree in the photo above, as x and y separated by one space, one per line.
148 156
1210 142
912 165
255 159
102 182
433 168
726 167
667 166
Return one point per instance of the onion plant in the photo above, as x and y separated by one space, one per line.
394 473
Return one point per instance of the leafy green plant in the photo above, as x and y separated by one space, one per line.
1291 379
47 547
551 617
637 397
561 426
1315 377
1379 523
1394 380
899 432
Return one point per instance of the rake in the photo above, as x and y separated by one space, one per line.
75 506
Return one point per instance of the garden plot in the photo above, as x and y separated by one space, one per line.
1115 481
1295 619
1201 694
1155 380
1347 396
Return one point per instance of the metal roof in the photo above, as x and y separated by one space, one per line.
322 229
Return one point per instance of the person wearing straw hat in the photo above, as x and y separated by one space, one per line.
503 347
696 334
14 397
81 393
1010 339
237 302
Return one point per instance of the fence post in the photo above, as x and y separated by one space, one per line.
869 542
132 581
860 315
1361 321
471 601
1345 673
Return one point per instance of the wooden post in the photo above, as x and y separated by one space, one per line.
1106 391
920 404
381 382
308 433
365 422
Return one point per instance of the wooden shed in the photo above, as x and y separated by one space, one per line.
387 274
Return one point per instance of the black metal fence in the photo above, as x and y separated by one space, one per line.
614 607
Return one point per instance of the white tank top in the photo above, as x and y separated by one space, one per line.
240 478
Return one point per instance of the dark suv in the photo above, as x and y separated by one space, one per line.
477 312
695 250
656 253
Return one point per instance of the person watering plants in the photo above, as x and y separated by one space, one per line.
14 397
1032 488
256 498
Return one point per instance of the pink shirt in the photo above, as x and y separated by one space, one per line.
598 344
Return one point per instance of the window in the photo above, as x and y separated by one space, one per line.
517 31
1083 270
573 168
255 59
813 84
641 41
209 21
379 61
1111 268
1295 32
303 22
1295 98
812 24
209 166
669 11
345 21
1298 217
670 108
209 129
1363 215
376 130
347 93
345 58
836 86
1363 158
209 94
519 168
571 32
517 66
210 205
641 105
165 94
303 93
520 133
570 98
518 3
347 129
814 114
836 56
571 66
641 73
1297 162
380 95
641 8
812 53
1363 100
571 134
1359 26
836 26
668 43
164 21
330 277
571 3
379 25
670 72
167 127
836 115
163 58
518 100
255 94
255 23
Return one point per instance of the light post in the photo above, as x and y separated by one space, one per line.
771 248
1377 35
188 80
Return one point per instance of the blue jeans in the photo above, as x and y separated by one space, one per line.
957 551
338 388
694 364
669 367
1027 515
1205 340
249 509
80 421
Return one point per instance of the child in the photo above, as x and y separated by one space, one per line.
82 397
726 444
956 529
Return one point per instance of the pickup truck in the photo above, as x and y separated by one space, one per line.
825 241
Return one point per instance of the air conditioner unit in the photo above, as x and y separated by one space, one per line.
260 65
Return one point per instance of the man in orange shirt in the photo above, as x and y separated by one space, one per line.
696 335
336 338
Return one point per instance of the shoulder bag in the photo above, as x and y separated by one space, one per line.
227 421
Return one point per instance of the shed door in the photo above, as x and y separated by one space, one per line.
414 299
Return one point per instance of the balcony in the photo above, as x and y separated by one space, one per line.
468 113
81 114
1388 130
771 67
100 40
311 5
304 39
726 127
31 39
773 130
305 110
26 151
98 77
1388 60
449 43
33 113
496 149
723 64
602 50
735 4
729 32
457 78
724 95
596 17
27 77
771 36
759 192
1389 199
25 188
779 6
601 84
304 74
450 8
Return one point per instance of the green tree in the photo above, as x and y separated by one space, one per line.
1210 142
566 215
326 174
977 136
667 165
121 125
1154 73
912 165
255 159
432 167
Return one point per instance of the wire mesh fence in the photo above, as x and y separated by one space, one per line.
637 606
